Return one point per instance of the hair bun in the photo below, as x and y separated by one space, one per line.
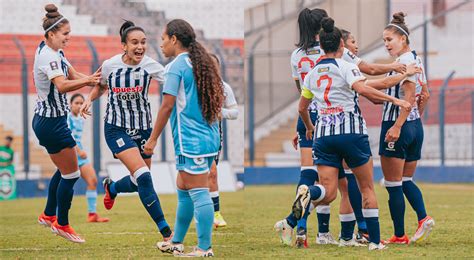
52 11
398 18
125 25
328 24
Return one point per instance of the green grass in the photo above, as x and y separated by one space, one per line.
452 207
130 233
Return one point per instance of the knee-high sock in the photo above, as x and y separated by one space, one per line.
204 214
184 216
308 177
414 197
396 204
324 214
124 185
64 196
150 200
215 200
347 225
91 196
51 202
372 219
355 197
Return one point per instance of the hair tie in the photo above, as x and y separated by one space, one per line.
54 24
401 29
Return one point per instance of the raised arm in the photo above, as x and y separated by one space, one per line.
65 85
373 94
388 82
374 69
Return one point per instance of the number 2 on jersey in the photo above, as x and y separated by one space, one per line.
328 87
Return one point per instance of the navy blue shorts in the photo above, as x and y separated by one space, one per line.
408 146
120 139
53 133
330 150
301 130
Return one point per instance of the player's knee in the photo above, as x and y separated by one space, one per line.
331 195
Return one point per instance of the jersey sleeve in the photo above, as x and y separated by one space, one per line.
294 67
50 64
351 73
351 57
69 122
173 79
305 89
229 96
105 72
407 60
157 71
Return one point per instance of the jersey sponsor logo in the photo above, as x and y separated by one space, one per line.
323 69
390 146
327 120
331 110
136 75
131 132
313 52
127 90
356 72
128 96
120 142
54 65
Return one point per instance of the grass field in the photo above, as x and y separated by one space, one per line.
130 233
452 207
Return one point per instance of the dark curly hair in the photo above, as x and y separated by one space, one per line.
209 83
51 17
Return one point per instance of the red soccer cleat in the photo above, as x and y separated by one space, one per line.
66 232
397 240
109 200
94 217
46 220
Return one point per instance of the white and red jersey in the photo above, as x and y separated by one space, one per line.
127 102
329 84
302 62
390 111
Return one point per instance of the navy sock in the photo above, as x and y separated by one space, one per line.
308 176
355 197
396 204
323 212
291 220
64 196
414 197
347 225
215 200
51 202
151 202
372 219
124 185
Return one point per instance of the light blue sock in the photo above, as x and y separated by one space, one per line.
91 196
184 215
204 214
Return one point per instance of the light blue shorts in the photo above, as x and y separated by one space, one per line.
199 165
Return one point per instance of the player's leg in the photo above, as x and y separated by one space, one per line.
90 177
214 191
355 198
48 216
346 214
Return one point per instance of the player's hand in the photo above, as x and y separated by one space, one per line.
399 68
403 104
294 142
82 154
84 111
309 133
412 69
94 79
392 134
149 146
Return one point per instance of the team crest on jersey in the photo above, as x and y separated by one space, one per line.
323 69
54 65
356 72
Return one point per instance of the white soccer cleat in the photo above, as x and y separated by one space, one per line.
352 242
170 248
373 246
196 253
325 239
424 229
285 231
301 201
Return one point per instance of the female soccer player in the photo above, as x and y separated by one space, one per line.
229 111
76 124
350 42
303 59
340 131
54 77
401 138
128 121
192 100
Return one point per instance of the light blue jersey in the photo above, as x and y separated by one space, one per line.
76 124
193 137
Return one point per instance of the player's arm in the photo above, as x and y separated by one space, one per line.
390 81
424 97
96 91
373 94
65 85
393 133
298 85
162 118
230 110
379 69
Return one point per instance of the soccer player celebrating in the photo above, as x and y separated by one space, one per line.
54 76
76 124
192 100
401 137
128 120
340 131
